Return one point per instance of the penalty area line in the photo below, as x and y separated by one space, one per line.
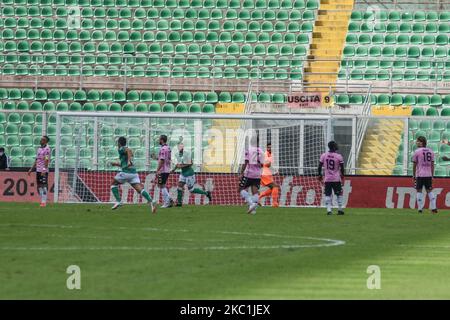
324 242
128 248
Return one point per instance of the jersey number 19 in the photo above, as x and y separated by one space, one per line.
330 164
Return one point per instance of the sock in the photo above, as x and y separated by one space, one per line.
266 193
275 196
145 194
420 201
432 198
44 195
166 195
245 195
199 191
40 192
328 202
115 192
179 195
255 198
340 201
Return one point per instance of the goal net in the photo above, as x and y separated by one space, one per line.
87 145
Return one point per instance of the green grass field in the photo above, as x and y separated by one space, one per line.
221 253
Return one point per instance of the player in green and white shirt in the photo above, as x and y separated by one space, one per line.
187 175
127 174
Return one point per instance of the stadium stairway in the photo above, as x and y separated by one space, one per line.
380 147
329 34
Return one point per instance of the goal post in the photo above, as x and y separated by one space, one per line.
86 144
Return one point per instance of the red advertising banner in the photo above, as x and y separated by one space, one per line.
21 187
359 192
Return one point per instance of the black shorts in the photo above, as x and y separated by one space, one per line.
42 178
333 186
162 178
249 182
421 182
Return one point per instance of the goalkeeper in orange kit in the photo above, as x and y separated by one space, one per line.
267 178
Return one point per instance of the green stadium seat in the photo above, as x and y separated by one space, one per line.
444 149
195 108
62 106
446 101
383 99
435 101
439 125
172 96
434 136
396 100
27 118
420 133
445 112
432 112
75 106
168 107
440 171
49 106
36 106
80 95
434 146
224 97
423 100
410 100
25 129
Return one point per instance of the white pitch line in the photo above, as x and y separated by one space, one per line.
120 248
88 227
326 242
425 246
115 238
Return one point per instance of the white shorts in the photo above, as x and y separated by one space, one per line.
131 178
189 181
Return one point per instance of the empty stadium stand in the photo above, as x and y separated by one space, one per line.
189 55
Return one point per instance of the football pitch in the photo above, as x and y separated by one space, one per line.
211 252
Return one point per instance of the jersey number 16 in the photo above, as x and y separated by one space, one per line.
427 156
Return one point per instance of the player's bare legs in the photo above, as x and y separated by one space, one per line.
168 202
115 191
251 199
432 198
192 189
340 200
43 193
421 200
255 198
180 192
140 189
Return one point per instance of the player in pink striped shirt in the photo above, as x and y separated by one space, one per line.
423 170
41 165
163 170
250 176
333 163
